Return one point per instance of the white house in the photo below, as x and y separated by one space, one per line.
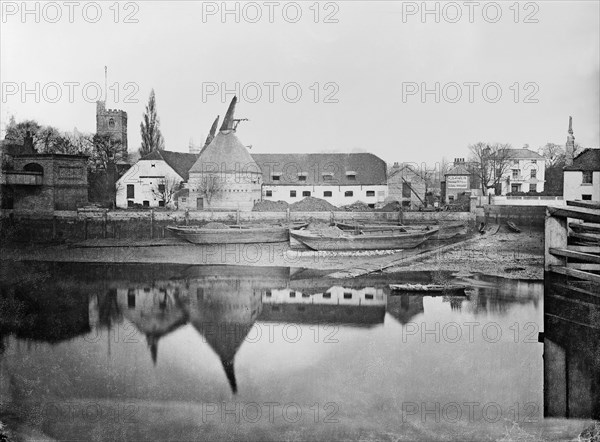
339 178
153 180
525 173
582 177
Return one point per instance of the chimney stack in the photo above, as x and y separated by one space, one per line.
570 147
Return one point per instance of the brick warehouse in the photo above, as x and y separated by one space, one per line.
42 183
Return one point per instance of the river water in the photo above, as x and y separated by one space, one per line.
173 352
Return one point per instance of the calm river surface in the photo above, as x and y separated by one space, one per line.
171 352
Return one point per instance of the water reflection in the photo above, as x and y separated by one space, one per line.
175 334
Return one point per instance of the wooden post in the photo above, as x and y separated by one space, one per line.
187 216
151 223
85 228
287 214
556 237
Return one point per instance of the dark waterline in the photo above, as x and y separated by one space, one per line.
174 352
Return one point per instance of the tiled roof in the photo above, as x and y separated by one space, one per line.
525 154
180 162
588 159
459 169
227 153
322 168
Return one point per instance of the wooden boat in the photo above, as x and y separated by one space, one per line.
362 240
513 227
428 288
446 231
238 234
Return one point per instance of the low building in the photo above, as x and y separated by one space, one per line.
42 183
406 186
459 180
339 178
581 172
154 179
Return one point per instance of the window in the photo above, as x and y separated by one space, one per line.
183 200
302 178
275 177
405 190
131 298
534 161
588 177
351 177
269 193
515 188
515 174
306 193
533 173
327 295
348 193
371 206
293 193
533 188
292 294
368 296
161 203
327 176
130 191
129 203
451 198
370 193
146 204
327 193
268 293
305 295
111 123
347 295
586 197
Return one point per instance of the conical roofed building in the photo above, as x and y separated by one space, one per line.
225 176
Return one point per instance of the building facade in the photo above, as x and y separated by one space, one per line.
582 177
154 180
339 178
111 122
406 186
526 172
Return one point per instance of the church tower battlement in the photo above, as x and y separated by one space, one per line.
111 122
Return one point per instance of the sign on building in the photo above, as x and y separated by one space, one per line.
457 182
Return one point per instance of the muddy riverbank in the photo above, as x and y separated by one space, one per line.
506 254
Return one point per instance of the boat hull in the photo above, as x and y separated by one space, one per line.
233 236
361 242
445 231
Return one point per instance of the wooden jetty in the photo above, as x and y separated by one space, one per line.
565 253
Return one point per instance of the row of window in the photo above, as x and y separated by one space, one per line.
145 203
326 295
516 173
326 193
325 176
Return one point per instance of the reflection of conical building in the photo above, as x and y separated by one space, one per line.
154 309
404 307
223 308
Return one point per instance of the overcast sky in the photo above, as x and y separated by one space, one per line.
362 64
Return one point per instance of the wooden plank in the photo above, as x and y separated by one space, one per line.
575 273
587 204
590 215
586 236
585 249
585 227
584 266
556 238
573 254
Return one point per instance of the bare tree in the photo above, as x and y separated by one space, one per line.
553 153
166 188
489 163
210 186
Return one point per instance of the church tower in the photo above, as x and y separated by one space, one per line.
111 122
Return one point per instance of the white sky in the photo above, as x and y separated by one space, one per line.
369 53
